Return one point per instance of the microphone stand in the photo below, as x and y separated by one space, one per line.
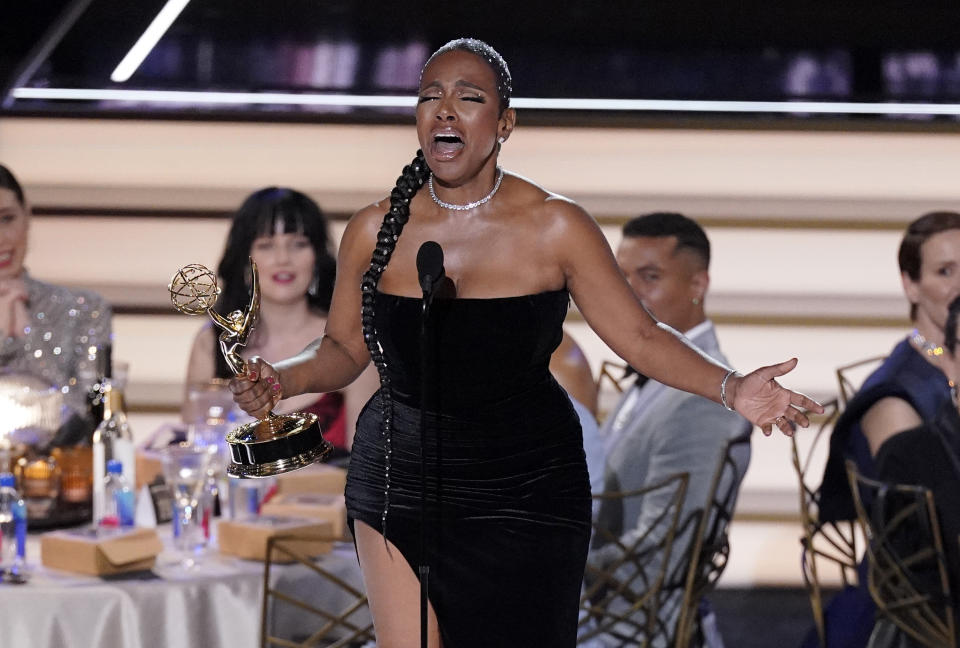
424 567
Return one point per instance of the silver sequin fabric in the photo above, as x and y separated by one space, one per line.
60 345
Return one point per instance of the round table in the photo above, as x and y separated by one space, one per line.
216 603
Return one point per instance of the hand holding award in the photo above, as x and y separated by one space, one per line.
278 443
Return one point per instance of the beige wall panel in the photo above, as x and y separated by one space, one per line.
189 155
364 160
820 349
859 264
732 163
147 252
797 261
157 348
142 251
845 262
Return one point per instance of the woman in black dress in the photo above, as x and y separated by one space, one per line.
508 492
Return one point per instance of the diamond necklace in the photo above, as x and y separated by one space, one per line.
932 349
475 203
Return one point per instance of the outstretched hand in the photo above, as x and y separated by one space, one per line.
764 402
258 390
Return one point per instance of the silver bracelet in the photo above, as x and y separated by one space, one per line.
723 389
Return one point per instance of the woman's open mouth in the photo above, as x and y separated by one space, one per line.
283 277
446 145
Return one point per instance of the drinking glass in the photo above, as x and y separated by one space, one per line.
185 469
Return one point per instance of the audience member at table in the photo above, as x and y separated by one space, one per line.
656 431
51 332
286 234
570 368
904 392
929 456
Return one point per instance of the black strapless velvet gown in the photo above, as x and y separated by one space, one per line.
509 497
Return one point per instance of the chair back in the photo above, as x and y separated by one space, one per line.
834 546
627 567
907 569
612 381
709 548
851 376
337 608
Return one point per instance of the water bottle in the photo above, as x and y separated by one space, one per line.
118 499
112 439
13 525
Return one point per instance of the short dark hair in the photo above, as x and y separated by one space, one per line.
489 55
690 236
918 232
9 181
262 213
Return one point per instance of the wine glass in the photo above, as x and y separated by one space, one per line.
185 469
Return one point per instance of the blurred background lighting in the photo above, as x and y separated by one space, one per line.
145 44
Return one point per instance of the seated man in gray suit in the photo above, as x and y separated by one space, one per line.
656 431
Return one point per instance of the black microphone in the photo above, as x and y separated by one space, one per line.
430 267
430 272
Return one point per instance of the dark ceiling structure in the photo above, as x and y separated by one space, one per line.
886 61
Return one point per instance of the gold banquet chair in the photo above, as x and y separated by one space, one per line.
710 547
619 598
850 377
613 375
612 381
347 626
826 546
904 545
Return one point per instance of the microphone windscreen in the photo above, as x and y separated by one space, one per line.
429 264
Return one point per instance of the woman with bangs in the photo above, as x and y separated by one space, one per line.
286 234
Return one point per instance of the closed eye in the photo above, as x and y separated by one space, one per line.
423 99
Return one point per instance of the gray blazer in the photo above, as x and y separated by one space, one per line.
653 434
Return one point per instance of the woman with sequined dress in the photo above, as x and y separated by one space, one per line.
48 331
508 495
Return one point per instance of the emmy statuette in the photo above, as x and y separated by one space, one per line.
280 442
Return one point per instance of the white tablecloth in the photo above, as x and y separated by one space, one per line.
215 604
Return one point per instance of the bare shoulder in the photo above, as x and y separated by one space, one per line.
360 235
887 417
557 211
893 410
367 219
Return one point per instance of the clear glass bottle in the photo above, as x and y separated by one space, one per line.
91 374
13 525
112 439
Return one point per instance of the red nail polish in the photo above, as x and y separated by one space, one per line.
276 387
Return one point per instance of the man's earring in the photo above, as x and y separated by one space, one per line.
501 140
696 301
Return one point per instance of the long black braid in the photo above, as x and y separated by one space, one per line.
413 177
